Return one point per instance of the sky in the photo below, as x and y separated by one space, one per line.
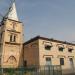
47 18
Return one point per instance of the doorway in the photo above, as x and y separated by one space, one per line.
71 64
48 61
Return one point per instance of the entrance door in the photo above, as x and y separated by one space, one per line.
48 68
71 63
48 61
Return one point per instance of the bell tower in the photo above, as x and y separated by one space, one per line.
11 36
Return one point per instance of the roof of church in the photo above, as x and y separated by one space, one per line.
48 39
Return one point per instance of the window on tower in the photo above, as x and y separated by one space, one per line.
12 38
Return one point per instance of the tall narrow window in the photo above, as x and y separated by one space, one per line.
11 38
14 40
61 61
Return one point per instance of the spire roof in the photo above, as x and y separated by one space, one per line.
12 13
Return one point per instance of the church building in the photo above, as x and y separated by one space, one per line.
36 51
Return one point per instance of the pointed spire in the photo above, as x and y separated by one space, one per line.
12 14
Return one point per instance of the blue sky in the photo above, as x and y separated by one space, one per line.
48 18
